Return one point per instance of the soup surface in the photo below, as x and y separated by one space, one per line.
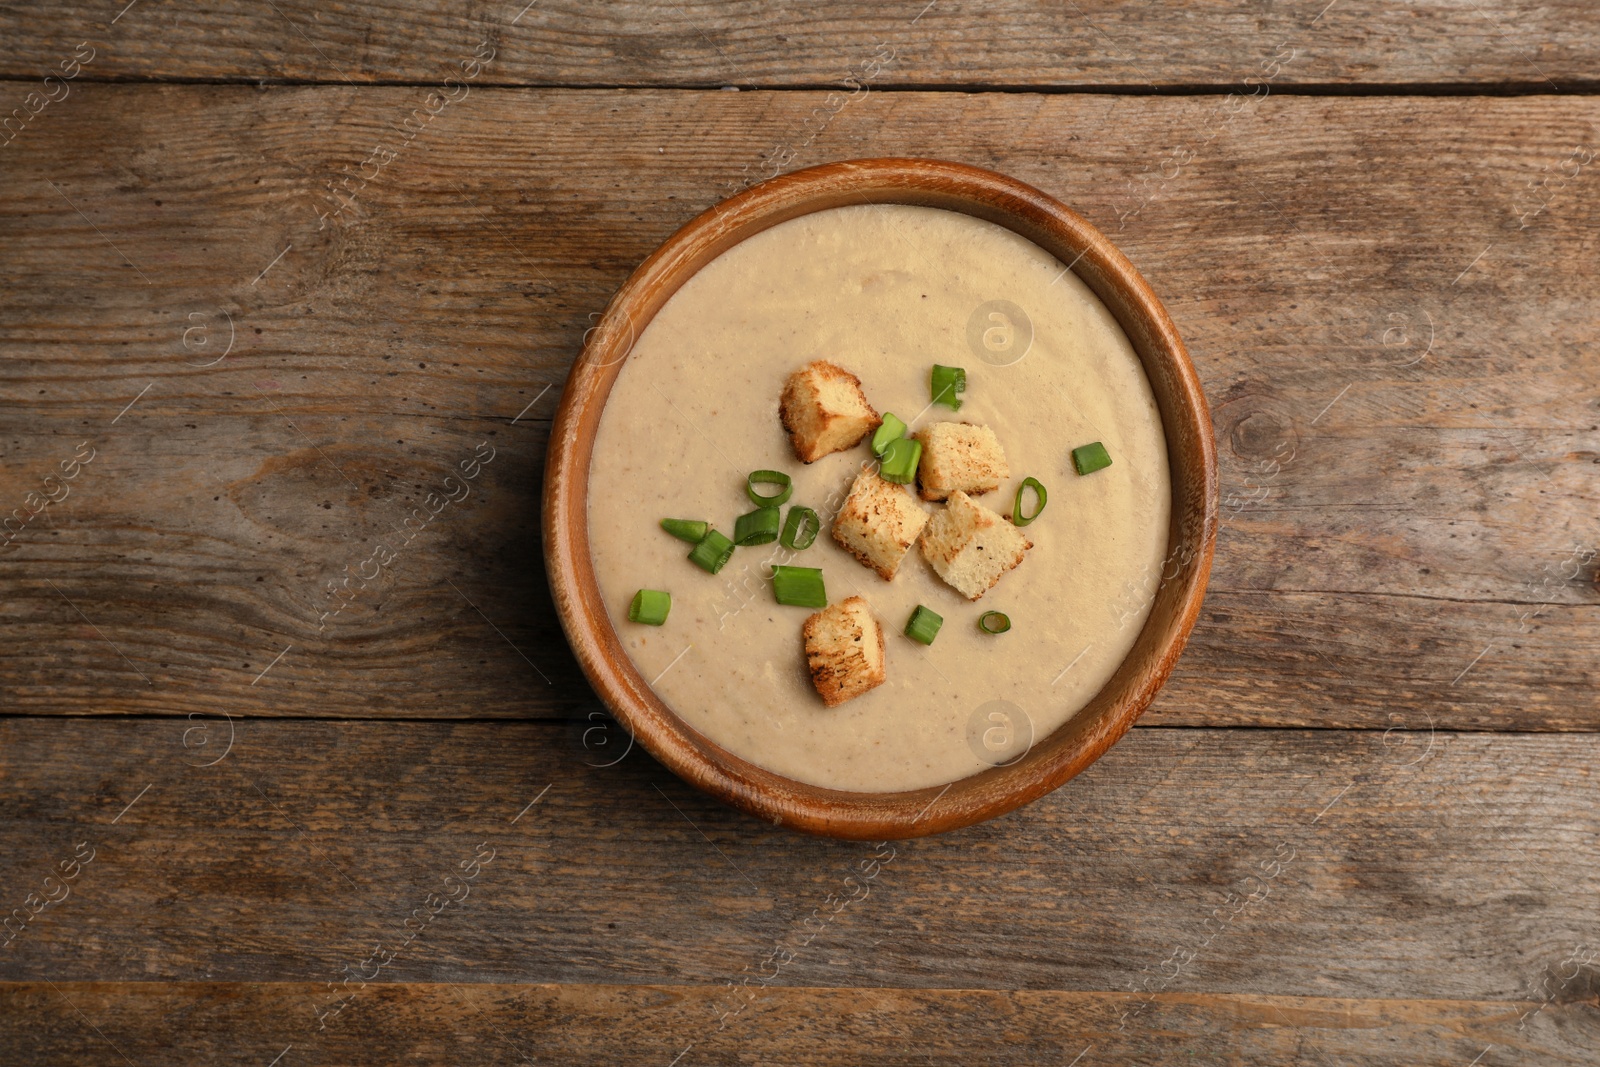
884 291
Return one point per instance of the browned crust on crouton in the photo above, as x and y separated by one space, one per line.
864 560
866 507
833 673
802 453
791 398
925 436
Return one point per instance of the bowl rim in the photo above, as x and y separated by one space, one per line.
1051 760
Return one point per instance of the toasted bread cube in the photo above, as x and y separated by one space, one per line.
879 523
959 455
970 547
844 649
824 410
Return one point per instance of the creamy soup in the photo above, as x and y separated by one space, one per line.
885 292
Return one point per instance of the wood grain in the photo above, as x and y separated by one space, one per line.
1406 419
1393 307
1301 659
1407 865
153 1022
1355 43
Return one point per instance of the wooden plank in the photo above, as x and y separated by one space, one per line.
202 1022
1302 659
1260 863
1406 423
767 43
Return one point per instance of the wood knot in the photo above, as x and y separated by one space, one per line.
1261 435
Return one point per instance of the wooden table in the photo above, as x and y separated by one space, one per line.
269 277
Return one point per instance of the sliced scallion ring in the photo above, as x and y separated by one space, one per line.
994 622
712 553
691 530
923 626
650 606
800 529
947 382
799 587
763 500
888 432
1017 517
900 461
1086 459
759 527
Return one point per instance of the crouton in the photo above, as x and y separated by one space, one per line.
824 410
970 547
844 649
879 523
959 455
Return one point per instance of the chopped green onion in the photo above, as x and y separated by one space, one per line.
924 625
777 478
887 433
900 462
1017 517
947 382
713 551
1086 459
799 587
801 528
760 527
650 606
691 530
994 622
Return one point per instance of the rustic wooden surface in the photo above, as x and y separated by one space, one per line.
1397 871
572 1023
1385 270
356 822
1430 513
1345 44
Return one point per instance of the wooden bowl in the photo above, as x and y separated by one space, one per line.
1055 758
